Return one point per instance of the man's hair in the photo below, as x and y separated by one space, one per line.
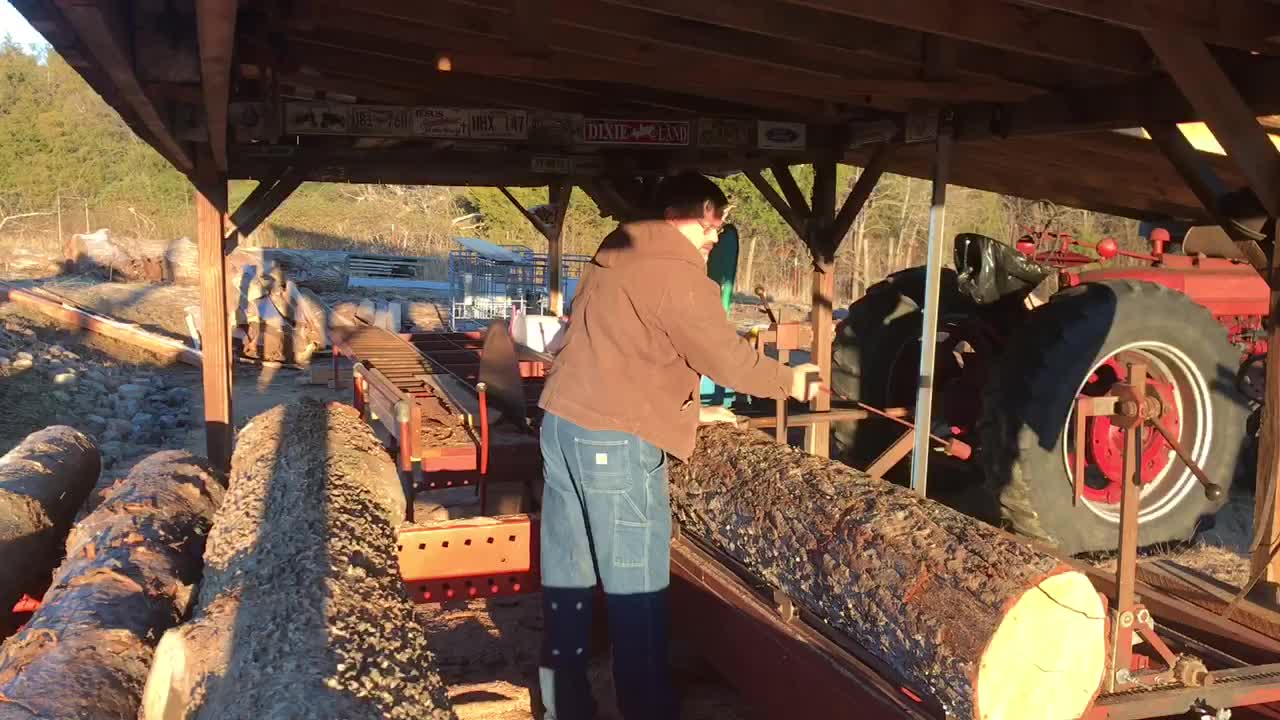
687 194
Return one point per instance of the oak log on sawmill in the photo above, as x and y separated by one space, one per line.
302 612
129 573
43 482
989 626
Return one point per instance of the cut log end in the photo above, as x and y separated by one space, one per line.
1047 658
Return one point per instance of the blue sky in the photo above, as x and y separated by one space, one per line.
14 25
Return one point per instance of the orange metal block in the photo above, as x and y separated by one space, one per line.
469 558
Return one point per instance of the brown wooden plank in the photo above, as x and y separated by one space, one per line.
608 58
269 195
862 189
1266 514
481 69
215 333
1034 31
1236 127
1231 637
790 190
71 315
883 42
216 30
1208 593
795 221
1244 24
103 31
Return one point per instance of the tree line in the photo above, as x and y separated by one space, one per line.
69 162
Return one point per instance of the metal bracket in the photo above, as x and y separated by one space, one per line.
786 609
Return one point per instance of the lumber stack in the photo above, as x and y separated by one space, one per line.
302 612
128 575
989 626
43 482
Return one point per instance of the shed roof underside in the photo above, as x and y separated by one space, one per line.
523 92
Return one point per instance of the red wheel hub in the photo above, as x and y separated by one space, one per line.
1104 442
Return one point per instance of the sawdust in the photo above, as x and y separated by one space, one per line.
487 653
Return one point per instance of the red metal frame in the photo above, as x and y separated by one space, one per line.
471 558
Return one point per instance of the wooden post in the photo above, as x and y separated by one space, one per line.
1267 487
211 211
823 246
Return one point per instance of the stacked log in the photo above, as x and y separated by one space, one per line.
304 309
302 612
128 575
987 625
43 482
136 259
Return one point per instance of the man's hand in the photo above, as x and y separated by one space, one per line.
715 414
806 382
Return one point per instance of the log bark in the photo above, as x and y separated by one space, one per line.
263 342
302 612
308 313
127 577
987 625
43 482
136 259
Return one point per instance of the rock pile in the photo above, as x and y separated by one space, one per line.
129 411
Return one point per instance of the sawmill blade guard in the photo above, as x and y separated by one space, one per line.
500 373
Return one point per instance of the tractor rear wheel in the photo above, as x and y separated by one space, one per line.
876 360
1081 344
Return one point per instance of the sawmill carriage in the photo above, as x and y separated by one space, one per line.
1011 372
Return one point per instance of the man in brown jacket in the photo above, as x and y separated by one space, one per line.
646 323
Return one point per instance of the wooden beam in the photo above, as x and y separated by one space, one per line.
790 190
1244 24
797 223
534 220
1233 123
678 35
858 196
481 69
216 27
102 29
1266 513
1125 105
612 204
857 37
1203 180
597 56
215 333
1033 31
261 202
818 435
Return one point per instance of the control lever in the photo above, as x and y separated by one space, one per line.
764 305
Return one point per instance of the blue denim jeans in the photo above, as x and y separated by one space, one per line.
606 520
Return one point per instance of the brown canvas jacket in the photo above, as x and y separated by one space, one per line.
646 322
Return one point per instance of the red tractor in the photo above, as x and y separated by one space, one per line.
1010 371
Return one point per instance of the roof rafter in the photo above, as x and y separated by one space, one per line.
1035 31
216 27
1244 24
103 29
